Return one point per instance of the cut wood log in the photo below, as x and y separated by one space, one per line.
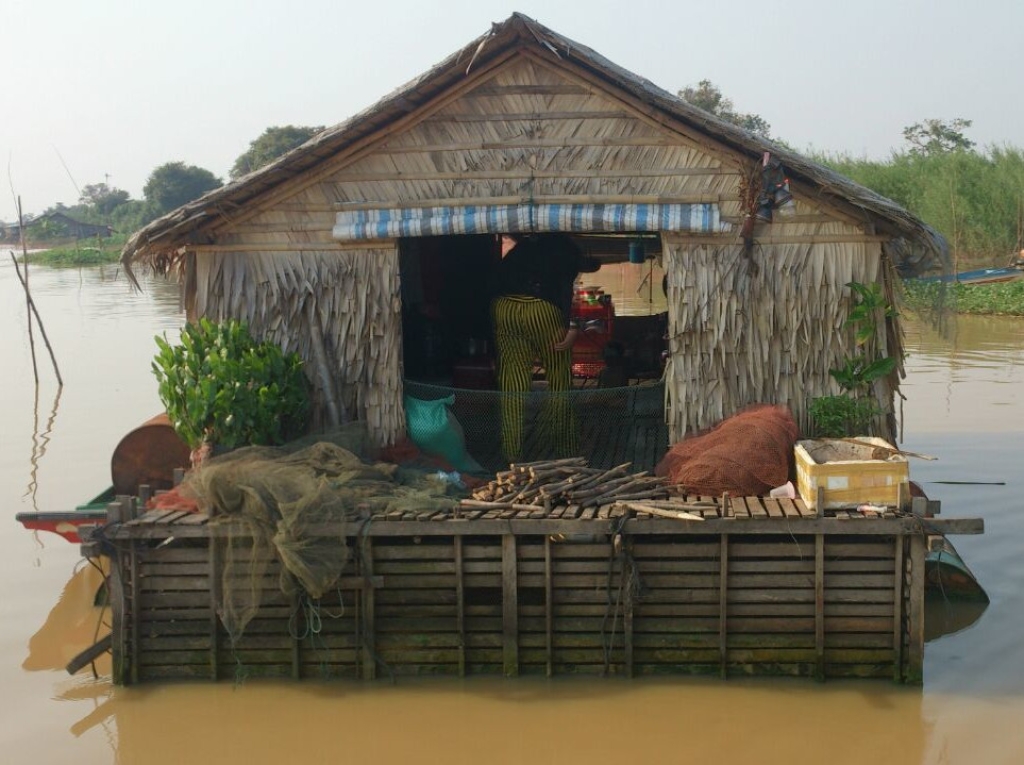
641 507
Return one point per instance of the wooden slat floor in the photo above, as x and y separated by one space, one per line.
762 508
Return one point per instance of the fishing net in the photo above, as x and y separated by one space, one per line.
607 426
277 504
745 455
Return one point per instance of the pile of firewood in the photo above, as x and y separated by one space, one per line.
550 483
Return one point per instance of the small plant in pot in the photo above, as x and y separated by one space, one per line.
223 389
852 412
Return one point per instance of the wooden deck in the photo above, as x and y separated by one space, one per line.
759 586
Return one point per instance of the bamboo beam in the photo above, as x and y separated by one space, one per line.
522 175
539 143
500 91
530 116
331 247
520 199
875 527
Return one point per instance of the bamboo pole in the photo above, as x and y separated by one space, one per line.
28 295
35 312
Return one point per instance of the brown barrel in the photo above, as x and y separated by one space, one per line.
148 455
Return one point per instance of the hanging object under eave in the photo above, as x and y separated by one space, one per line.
389 223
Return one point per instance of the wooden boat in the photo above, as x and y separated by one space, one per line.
148 455
67 523
977 276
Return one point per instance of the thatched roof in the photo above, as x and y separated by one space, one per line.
916 246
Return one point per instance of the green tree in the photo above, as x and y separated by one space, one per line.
274 142
934 136
173 184
707 96
102 198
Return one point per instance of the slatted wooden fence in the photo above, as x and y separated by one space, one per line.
435 594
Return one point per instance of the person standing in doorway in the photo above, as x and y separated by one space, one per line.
531 313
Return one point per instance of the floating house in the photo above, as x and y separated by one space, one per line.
336 249
366 248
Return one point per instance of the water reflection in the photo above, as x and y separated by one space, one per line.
965 406
39 443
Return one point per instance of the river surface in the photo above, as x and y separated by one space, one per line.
965 405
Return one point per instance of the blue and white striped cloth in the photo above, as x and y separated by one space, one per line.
524 218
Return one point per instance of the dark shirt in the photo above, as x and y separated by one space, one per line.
542 267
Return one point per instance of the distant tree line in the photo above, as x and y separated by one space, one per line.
975 198
169 186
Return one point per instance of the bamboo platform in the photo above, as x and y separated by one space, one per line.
747 586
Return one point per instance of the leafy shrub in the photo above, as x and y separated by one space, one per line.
850 414
839 416
1006 298
221 387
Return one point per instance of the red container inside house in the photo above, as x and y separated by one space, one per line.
592 309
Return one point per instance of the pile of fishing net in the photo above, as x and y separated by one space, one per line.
745 455
275 503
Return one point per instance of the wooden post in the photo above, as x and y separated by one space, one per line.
510 605
627 616
117 599
133 573
145 494
915 621
115 513
903 497
897 610
368 620
549 610
723 605
819 504
296 606
819 607
215 592
460 603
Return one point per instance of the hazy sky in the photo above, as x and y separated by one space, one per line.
114 88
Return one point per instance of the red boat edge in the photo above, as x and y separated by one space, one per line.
66 523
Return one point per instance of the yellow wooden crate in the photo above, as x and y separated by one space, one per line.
850 473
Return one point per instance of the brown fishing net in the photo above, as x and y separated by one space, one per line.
745 455
275 502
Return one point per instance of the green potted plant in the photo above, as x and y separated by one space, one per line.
223 389
851 412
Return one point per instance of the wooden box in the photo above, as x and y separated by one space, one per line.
851 474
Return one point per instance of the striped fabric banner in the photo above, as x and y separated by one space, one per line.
514 219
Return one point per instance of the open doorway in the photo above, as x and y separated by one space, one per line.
446 318
447 290
450 356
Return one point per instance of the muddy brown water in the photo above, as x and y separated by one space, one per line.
965 405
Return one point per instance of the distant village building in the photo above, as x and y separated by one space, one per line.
53 225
